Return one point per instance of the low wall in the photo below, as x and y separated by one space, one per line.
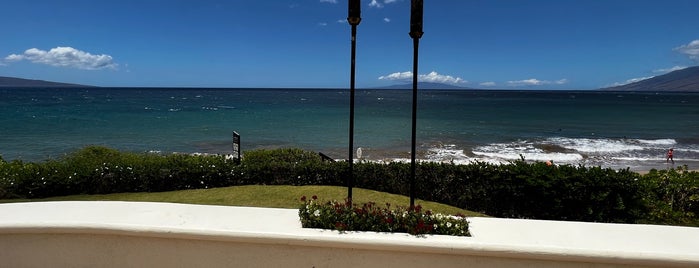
137 234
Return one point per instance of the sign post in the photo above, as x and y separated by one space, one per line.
236 146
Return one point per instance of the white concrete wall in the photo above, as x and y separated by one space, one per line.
134 234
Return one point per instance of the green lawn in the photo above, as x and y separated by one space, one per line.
260 196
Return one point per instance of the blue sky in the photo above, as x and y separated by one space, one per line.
504 44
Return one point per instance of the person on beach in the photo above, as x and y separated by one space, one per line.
669 156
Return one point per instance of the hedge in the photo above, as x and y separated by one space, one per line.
518 189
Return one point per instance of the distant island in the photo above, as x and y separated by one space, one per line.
20 82
686 80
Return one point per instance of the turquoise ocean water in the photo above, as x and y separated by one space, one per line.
611 129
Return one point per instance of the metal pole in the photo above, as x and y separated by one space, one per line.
415 33
350 179
353 18
416 42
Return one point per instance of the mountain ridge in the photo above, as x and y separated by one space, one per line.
685 80
21 82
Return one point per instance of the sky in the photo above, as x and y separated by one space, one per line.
489 44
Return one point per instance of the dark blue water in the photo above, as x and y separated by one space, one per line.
611 129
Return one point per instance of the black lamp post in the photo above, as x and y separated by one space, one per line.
415 33
354 18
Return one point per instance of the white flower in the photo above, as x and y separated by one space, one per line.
316 213
448 224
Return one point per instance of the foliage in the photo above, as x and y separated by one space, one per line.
290 167
99 170
673 195
518 189
345 216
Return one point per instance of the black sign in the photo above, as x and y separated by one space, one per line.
236 145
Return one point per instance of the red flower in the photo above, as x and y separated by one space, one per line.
303 198
314 197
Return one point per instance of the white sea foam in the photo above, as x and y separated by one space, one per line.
603 145
577 150
529 153
447 152
659 141
635 158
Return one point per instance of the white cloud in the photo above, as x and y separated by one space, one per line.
378 4
536 82
430 77
526 82
671 69
386 19
329 1
397 76
561 81
438 78
375 4
691 50
488 84
632 80
322 24
65 57
13 58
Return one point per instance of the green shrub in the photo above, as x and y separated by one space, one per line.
518 189
291 167
673 196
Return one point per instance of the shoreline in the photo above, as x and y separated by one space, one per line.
458 157
440 154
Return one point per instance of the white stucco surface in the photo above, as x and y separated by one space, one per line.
29 225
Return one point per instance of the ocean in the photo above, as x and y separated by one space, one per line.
592 128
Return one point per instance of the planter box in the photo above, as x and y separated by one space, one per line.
139 234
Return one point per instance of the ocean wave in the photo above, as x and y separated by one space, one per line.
528 153
659 141
585 151
586 145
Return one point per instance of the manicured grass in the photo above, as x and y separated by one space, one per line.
261 196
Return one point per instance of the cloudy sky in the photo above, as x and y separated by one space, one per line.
503 44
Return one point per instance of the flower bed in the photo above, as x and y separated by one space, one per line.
345 216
